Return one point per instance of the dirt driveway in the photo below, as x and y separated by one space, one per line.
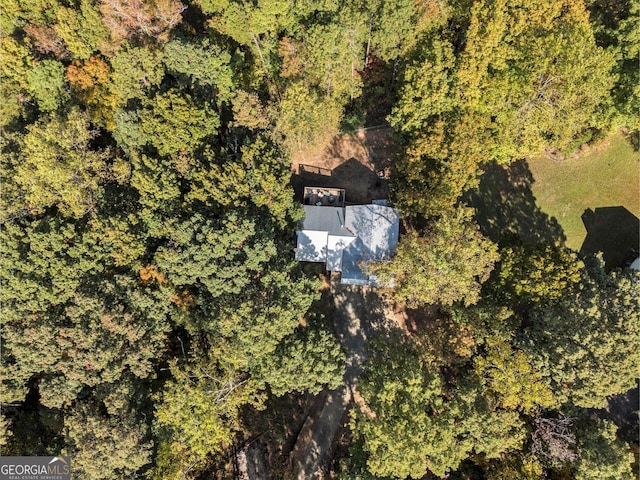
360 313
351 162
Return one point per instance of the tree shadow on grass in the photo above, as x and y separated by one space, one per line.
506 207
614 231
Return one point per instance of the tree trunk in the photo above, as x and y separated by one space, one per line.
264 63
366 57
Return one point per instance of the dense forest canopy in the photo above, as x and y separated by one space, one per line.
152 313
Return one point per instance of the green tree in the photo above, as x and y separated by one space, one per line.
10 17
395 26
440 164
307 118
106 446
448 263
428 90
401 431
158 184
253 324
14 70
220 256
492 431
331 55
615 29
37 12
600 453
586 342
203 64
530 76
627 89
260 175
199 414
251 334
68 323
5 431
47 83
535 274
137 71
96 341
416 424
306 361
509 374
545 83
82 31
169 123
59 167
257 27
516 466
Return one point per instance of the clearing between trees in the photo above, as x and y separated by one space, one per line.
351 162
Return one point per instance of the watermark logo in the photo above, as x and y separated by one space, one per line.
35 468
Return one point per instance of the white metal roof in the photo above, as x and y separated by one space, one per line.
312 246
344 238
335 247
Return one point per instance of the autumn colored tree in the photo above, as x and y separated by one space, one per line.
131 18
91 82
45 40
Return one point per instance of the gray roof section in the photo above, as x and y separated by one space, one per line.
325 219
376 227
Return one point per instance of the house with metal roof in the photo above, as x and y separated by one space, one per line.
345 237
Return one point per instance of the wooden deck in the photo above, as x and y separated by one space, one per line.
322 196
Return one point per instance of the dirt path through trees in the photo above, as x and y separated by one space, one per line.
360 313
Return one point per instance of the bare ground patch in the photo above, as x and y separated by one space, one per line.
352 162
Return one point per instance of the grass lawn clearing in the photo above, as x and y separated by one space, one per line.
607 176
